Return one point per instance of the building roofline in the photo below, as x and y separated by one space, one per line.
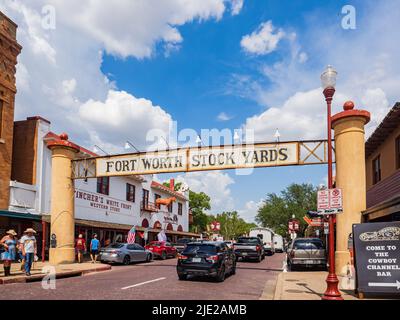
384 129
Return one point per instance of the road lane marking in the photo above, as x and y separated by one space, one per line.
142 283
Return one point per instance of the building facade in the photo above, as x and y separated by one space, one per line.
382 151
107 206
9 50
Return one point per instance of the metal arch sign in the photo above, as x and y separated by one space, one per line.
198 159
202 158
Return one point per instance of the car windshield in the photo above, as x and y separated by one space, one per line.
200 248
308 244
248 240
156 244
116 245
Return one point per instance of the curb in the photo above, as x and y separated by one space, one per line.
278 288
59 275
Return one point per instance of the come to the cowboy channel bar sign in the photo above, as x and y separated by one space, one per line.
377 257
198 159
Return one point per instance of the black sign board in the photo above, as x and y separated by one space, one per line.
377 257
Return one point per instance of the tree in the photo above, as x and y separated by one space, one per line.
296 200
198 203
232 226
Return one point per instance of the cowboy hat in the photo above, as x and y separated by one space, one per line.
12 232
29 230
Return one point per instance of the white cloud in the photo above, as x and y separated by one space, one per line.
122 116
213 183
62 66
224 117
236 7
263 40
250 210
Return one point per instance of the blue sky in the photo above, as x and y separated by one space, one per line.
252 64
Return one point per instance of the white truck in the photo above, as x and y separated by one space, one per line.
278 243
266 235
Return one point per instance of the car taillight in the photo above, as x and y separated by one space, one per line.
212 258
182 257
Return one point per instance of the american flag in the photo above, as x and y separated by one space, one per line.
131 235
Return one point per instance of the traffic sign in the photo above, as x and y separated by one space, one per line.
330 201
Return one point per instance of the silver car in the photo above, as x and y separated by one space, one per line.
125 253
306 252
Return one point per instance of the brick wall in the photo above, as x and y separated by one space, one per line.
9 50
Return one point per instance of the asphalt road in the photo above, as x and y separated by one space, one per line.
155 280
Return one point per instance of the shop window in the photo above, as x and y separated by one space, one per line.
103 185
180 208
130 192
376 169
397 152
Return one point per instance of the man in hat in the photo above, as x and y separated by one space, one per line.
29 249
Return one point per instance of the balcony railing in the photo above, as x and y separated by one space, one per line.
149 206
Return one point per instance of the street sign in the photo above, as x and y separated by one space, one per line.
215 226
377 256
315 222
330 201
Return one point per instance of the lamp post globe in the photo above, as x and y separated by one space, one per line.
328 77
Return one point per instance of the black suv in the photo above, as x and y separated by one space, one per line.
206 258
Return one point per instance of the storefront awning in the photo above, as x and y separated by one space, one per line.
382 209
19 215
107 225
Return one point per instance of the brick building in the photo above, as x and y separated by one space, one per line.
9 50
382 152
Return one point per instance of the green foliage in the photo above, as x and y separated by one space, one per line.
232 226
276 211
198 203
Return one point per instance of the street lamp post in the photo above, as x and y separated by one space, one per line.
328 80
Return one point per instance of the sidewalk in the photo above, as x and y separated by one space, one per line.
62 271
307 285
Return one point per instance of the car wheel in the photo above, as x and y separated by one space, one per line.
182 276
221 275
163 255
126 260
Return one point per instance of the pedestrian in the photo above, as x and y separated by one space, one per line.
29 249
9 243
94 248
80 246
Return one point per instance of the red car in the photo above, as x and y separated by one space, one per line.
161 249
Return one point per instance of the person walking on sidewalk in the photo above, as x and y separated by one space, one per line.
9 243
94 248
29 249
80 245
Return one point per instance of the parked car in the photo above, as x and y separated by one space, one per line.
306 252
125 253
266 235
278 243
249 248
206 258
181 244
161 249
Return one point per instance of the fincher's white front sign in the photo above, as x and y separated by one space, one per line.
198 159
